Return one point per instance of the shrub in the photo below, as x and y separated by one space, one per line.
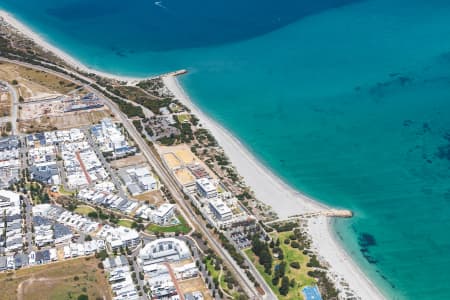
284 289
294 244
295 265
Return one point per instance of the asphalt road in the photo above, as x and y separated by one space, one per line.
173 187
106 165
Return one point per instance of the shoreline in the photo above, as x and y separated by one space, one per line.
46 46
268 188
284 200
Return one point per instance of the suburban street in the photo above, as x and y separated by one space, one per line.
105 164
28 224
170 183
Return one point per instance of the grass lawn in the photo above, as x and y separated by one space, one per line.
62 280
290 255
62 191
183 227
84 210
125 223
183 118
215 274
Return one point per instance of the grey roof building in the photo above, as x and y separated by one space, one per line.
134 189
9 143
3 263
44 173
20 260
61 231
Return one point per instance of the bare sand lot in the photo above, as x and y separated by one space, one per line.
66 121
128 161
153 197
62 280
34 83
195 285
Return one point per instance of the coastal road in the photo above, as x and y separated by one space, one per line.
171 184
178 195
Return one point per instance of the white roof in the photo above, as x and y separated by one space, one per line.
163 209
206 185
220 206
147 180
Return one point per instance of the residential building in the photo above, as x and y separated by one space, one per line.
206 189
166 249
163 214
220 210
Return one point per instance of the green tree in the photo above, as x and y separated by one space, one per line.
284 288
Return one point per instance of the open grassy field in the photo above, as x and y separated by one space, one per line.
134 93
57 281
217 275
84 210
125 223
183 227
290 255
32 83
184 118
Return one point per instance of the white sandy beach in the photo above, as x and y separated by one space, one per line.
268 187
39 40
284 200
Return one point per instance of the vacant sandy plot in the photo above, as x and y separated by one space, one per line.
153 197
5 104
182 152
66 121
181 263
128 161
186 156
63 280
184 176
33 82
181 156
171 160
35 110
194 285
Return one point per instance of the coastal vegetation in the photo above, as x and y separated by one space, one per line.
286 264
221 277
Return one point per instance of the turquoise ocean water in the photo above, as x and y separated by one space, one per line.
348 101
